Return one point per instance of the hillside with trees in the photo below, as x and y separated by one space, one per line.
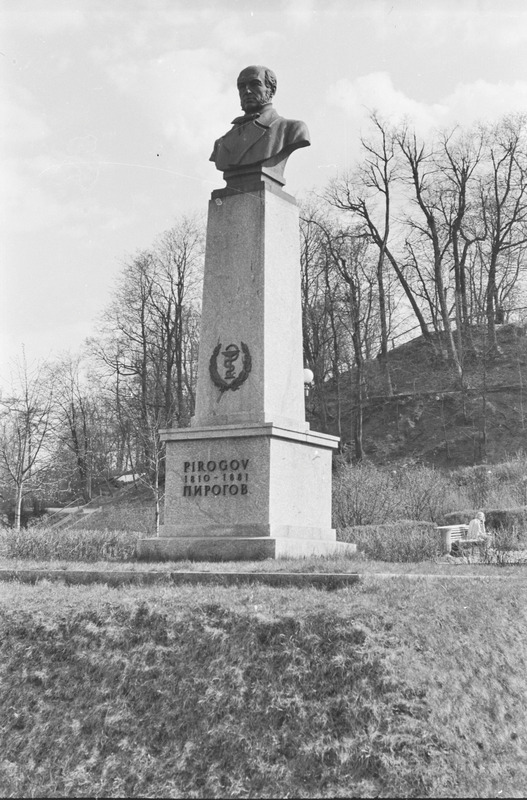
429 417
413 267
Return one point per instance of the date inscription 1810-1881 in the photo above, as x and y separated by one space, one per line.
225 478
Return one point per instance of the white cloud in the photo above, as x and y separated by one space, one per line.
230 35
376 92
474 22
142 29
467 22
186 91
182 93
468 103
22 121
45 193
51 17
483 100
301 13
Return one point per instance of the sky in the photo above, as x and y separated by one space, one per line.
112 107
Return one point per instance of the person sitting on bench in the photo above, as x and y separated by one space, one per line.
476 533
476 527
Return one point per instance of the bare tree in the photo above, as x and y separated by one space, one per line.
503 193
350 260
424 177
90 445
459 158
149 333
147 473
74 411
356 301
326 340
177 280
25 431
148 347
378 172
367 193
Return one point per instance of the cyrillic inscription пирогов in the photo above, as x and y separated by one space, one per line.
216 478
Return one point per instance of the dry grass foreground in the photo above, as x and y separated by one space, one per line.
400 688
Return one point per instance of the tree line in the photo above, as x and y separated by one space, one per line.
423 236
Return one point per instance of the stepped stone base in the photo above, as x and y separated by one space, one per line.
238 548
245 492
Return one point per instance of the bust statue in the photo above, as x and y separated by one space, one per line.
260 138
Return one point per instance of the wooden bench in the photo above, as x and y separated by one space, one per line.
455 533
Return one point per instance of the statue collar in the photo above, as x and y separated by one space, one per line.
265 117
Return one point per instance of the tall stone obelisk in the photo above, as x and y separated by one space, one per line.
248 479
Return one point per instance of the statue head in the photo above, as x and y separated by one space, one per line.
256 87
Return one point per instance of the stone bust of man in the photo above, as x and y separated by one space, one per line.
260 137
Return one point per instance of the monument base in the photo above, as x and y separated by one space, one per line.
246 492
237 548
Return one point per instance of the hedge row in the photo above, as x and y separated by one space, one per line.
405 540
49 544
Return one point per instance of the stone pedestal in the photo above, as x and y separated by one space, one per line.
248 479
251 297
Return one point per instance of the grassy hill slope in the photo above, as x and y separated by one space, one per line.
406 688
431 416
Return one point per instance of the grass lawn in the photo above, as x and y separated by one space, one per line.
315 564
399 688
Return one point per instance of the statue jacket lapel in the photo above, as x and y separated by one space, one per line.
246 142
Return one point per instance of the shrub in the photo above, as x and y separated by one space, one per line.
507 548
51 544
362 495
403 541
366 495
509 533
458 517
476 483
494 484
121 517
424 493
498 520
508 539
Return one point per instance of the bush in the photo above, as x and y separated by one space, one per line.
498 520
403 541
367 495
507 548
424 493
509 533
507 539
51 544
362 495
122 517
494 484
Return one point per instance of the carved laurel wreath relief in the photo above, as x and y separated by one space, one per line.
230 355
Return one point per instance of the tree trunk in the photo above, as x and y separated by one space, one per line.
384 328
18 506
490 305
358 417
427 336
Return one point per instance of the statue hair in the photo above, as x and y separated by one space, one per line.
270 80
269 77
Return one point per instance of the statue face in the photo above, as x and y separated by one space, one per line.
253 91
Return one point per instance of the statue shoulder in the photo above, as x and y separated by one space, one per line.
217 145
295 130
300 130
